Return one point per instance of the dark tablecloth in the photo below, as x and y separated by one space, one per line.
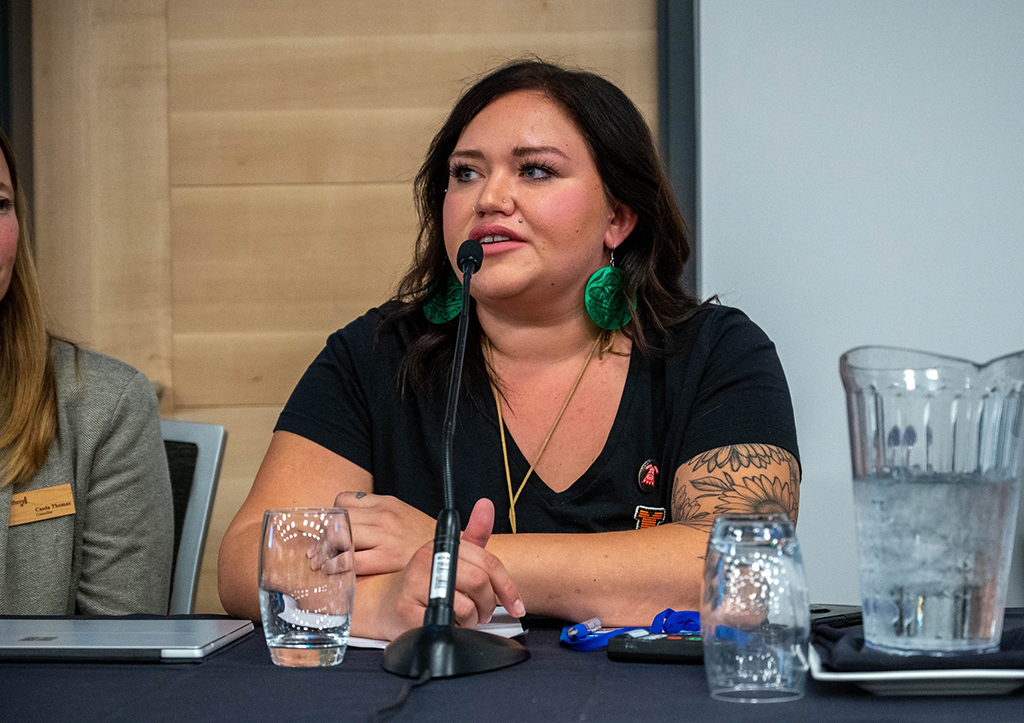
556 684
843 649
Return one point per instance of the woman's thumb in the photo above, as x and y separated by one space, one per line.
481 522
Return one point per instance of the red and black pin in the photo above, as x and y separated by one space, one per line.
647 478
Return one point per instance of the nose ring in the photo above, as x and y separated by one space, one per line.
474 206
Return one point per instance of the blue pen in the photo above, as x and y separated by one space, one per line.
581 629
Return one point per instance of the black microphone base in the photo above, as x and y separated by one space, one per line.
448 652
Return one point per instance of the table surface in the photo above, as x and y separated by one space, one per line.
555 684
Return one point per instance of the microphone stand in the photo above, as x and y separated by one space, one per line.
439 649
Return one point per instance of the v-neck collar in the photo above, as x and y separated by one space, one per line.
518 464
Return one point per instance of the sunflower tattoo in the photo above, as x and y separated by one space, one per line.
737 456
773 486
760 495
687 511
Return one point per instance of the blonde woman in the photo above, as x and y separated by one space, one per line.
86 524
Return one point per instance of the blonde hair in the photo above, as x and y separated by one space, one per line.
28 386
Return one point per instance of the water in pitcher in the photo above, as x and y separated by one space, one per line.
935 551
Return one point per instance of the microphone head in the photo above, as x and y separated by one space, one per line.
471 255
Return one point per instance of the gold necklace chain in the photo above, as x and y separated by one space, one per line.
514 497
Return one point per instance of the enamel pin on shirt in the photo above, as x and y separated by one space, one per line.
647 478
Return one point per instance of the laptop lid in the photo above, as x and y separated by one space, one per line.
157 639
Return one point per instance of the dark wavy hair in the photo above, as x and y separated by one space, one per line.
652 257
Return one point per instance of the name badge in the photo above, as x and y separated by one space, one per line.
42 504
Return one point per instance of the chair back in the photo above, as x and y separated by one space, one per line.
194 455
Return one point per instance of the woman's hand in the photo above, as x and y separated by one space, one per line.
481 582
386 533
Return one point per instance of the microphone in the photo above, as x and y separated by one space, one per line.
469 260
439 649
472 253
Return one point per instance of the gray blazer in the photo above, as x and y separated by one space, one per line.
113 556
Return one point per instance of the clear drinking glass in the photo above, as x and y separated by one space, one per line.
307 583
755 615
937 445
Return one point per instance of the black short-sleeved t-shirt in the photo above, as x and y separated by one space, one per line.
721 384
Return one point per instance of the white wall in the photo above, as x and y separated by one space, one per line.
862 182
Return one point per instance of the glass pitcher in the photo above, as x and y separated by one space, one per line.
937 446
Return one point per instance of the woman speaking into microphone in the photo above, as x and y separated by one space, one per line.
606 416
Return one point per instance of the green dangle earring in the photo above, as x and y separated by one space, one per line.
445 303
605 298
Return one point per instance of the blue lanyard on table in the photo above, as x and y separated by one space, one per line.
667 621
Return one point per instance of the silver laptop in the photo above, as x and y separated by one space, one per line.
167 640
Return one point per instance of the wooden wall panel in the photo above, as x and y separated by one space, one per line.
63 152
296 146
264 273
285 257
101 181
313 18
300 146
237 368
379 71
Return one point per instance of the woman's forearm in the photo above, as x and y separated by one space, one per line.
624 578
237 565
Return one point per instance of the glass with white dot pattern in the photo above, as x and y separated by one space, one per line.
307 582
755 614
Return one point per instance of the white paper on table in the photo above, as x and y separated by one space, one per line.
501 624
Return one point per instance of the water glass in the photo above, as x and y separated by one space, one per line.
755 614
307 582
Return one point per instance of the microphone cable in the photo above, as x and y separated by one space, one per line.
385 712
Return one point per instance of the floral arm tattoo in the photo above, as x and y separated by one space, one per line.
737 479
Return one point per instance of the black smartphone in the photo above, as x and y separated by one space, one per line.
641 646
838 616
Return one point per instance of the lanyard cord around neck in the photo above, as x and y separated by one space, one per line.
514 497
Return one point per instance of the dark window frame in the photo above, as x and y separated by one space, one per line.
677 116
16 85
